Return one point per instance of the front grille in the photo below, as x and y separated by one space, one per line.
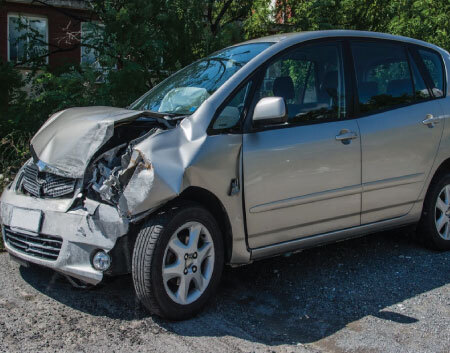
41 246
41 184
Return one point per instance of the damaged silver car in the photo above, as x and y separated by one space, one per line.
265 147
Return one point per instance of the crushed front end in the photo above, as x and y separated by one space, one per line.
54 232
69 202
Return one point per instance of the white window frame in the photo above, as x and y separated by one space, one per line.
28 16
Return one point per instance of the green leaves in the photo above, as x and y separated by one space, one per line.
427 20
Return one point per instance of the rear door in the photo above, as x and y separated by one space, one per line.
399 131
304 177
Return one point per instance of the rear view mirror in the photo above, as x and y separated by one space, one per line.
270 110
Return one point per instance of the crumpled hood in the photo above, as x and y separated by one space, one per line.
69 139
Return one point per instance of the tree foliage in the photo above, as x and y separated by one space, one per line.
427 20
143 41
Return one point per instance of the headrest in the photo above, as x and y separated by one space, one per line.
329 85
283 87
330 80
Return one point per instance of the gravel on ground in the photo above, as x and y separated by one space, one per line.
380 293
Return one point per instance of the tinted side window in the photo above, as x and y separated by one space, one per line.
383 75
311 81
230 115
433 64
420 88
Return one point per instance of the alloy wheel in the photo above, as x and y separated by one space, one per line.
442 213
188 263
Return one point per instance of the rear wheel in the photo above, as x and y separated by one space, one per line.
434 227
177 261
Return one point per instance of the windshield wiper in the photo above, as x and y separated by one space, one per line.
168 120
168 116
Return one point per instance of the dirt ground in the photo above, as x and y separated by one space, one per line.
381 293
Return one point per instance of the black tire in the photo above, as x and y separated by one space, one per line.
427 231
148 256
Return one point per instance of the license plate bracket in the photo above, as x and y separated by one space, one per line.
26 219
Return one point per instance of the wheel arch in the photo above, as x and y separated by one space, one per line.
443 167
212 203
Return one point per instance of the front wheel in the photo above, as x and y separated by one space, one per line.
178 261
434 227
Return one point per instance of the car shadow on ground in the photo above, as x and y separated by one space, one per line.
285 300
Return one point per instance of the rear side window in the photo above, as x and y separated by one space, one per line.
383 76
433 64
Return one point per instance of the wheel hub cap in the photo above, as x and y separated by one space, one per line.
188 263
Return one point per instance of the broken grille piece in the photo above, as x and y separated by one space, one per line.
41 184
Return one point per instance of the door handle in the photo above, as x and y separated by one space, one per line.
430 120
345 136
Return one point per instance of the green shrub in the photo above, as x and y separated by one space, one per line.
14 152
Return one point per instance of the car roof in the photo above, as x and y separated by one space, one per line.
298 37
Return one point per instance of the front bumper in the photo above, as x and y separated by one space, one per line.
82 231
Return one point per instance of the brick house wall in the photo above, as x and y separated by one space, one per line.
62 16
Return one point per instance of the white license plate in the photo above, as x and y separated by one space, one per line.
26 219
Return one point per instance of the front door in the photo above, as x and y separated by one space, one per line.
304 177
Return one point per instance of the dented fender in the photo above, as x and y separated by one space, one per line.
160 176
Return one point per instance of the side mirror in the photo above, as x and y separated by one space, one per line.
270 110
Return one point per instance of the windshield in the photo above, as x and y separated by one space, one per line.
183 92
